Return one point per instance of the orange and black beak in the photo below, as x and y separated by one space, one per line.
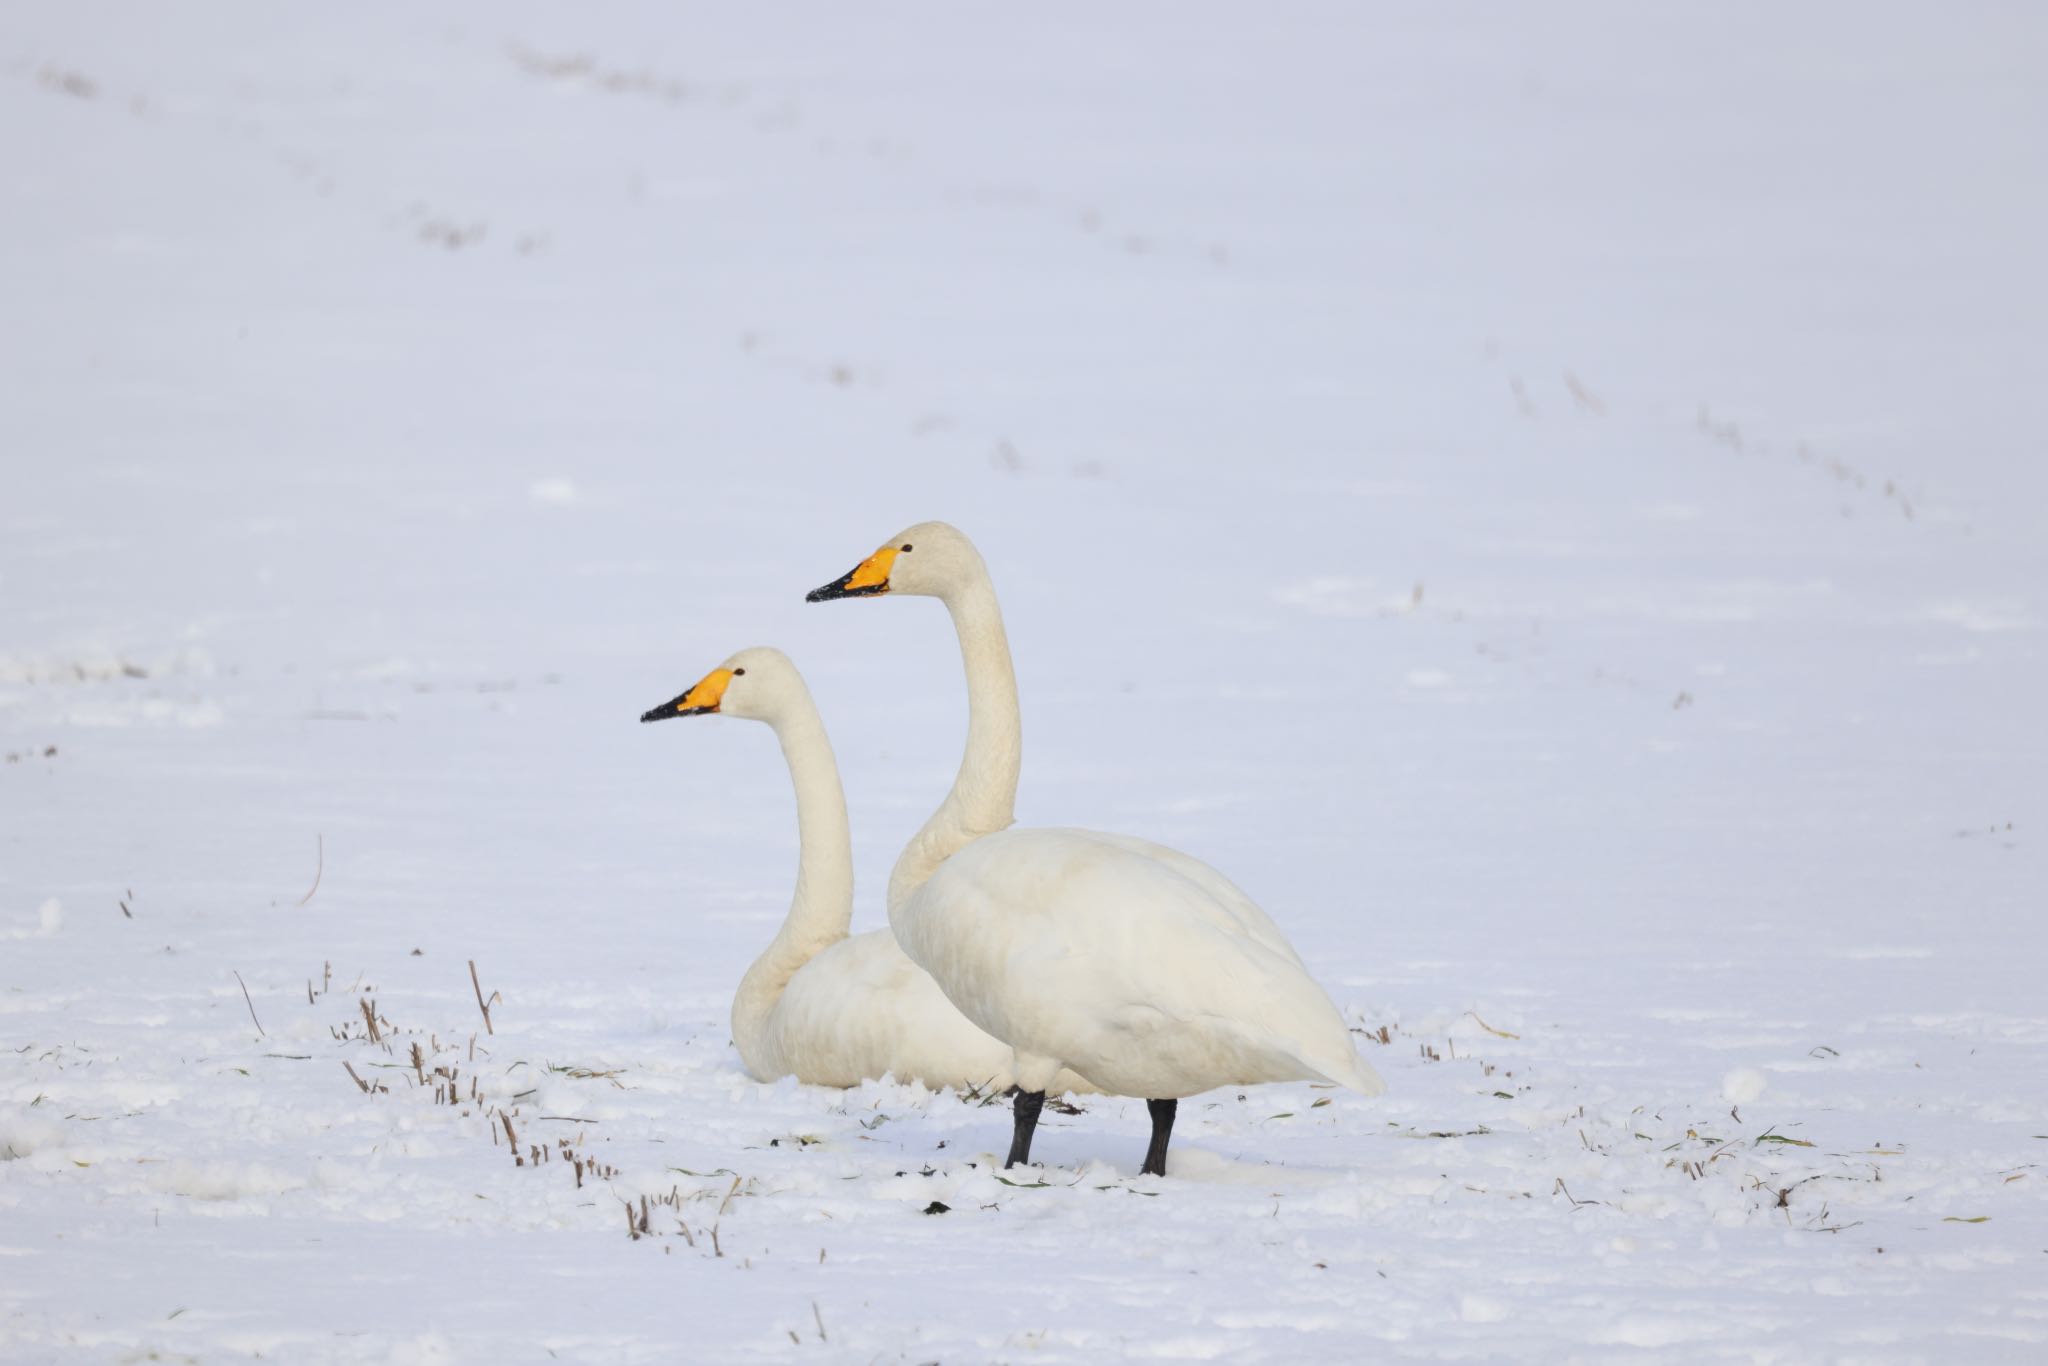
869 578
698 701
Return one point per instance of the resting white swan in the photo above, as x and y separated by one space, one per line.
818 1005
1140 968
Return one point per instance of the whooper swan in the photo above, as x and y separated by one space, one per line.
1137 967
817 1005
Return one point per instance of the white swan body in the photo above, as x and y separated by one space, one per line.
1136 966
818 1005
1090 951
861 1010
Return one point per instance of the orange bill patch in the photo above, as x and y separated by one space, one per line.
705 695
873 572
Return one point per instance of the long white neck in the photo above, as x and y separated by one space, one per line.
822 908
984 795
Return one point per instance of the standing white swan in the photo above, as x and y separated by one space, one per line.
817 1005
1140 968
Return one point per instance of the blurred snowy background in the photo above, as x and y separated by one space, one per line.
1550 500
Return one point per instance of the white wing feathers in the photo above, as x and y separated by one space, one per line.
1148 972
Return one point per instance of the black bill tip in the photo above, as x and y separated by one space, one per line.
838 589
672 708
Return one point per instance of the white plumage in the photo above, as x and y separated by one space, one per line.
819 1005
1136 966
1149 976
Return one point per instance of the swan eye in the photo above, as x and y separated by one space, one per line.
906 547
737 672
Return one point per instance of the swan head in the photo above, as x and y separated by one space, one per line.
757 684
926 560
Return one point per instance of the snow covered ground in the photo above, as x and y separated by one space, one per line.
1551 500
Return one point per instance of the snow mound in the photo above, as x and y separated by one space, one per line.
49 919
1743 1085
23 1132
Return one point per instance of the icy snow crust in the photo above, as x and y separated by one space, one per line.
1549 502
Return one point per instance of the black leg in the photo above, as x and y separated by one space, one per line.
1025 1109
1162 1130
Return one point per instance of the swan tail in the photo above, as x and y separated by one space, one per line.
1354 1074
1363 1079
